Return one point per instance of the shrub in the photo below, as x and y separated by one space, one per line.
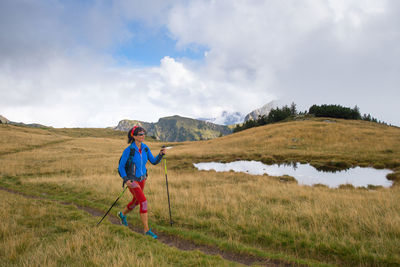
267 160
374 187
335 111
287 179
275 115
320 185
346 186
379 165
395 176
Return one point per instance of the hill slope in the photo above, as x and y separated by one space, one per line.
319 140
250 215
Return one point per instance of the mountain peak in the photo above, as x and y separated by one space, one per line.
263 111
3 120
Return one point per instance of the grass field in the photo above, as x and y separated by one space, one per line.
256 215
42 233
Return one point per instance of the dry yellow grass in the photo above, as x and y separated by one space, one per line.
344 227
22 138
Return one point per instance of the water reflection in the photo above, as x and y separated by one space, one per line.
304 173
325 168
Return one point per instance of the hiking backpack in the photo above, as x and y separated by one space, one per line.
128 164
130 168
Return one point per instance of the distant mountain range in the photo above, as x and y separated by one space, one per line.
177 129
226 118
4 120
230 118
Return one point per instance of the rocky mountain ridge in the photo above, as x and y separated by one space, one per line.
263 111
4 120
177 129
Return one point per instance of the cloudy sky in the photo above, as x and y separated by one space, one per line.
92 63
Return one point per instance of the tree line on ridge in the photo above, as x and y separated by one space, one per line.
331 111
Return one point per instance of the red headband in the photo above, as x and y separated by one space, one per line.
133 130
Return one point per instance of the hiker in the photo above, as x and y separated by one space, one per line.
134 174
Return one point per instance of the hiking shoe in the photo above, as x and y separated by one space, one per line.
122 217
150 233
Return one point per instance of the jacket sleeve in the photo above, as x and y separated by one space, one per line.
152 159
124 159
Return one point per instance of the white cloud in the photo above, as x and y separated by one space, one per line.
56 68
310 52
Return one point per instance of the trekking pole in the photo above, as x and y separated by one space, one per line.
166 182
120 195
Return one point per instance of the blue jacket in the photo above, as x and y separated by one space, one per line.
139 161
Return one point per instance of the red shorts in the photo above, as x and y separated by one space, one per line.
138 196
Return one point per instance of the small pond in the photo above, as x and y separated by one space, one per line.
305 174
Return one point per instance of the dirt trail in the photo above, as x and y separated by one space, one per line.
174 241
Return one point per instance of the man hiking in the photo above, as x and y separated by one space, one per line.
132 169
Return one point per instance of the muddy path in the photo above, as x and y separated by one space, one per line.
171 240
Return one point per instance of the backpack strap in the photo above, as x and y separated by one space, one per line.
130 158
132 153
128 162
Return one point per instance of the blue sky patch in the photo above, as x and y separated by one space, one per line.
148 46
